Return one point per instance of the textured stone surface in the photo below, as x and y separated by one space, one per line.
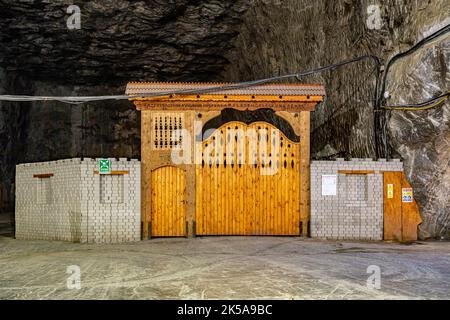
279 37
11 122
76 205
423 138
356 210
224 268
118 41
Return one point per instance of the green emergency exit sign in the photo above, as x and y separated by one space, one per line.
104 166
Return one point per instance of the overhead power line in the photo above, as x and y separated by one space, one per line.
432 103
231 86
378 100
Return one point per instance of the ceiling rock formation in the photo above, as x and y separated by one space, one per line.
118 41
230 40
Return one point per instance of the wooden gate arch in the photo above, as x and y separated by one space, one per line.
168 202
248 181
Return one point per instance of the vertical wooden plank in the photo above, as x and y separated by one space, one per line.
168 202
304 157
153 201
233 181
198 206
206 198
253 175
292 196
156 223
221 187
204 195
159 212
393 206
242 182
258 210
183 203
296 181
286 183
250 174
217 190
269 177
277 180
285 208
164 208
289 191
169 209
210 201
176 199
178 212
236 191
229 177
146 172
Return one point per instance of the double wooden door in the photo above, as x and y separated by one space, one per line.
248 182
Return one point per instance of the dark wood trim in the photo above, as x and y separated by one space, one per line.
43 175
218 106
115 173
357 171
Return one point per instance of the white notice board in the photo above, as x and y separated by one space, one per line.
329 185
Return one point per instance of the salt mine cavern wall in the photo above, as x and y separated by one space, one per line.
279 37
231 41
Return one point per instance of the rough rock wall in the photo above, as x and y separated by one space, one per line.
279 37
99 129
119 41
11 120
422 138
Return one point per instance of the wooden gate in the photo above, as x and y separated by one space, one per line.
168 202
248 182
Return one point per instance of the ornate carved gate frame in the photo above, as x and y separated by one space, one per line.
161 115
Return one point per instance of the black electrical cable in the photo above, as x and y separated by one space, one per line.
378 100
408 52
434 102
231 86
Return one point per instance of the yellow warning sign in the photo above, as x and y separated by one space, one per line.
390 191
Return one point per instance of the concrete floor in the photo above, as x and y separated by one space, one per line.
224 268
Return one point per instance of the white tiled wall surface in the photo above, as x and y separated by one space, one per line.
77 205
356 211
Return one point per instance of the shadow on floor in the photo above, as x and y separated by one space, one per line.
7 224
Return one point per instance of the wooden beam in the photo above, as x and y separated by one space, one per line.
43 175
232 98
357 172
220 105
305 181
115 173
146 177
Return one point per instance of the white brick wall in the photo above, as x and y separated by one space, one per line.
356 212
77 205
